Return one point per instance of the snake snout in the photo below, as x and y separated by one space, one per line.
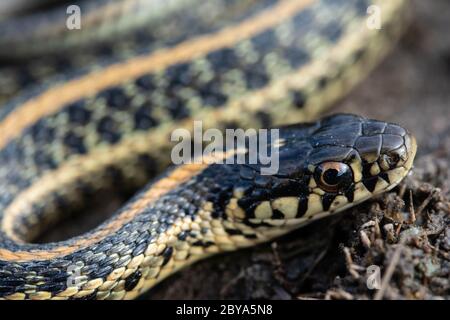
387 152
397 156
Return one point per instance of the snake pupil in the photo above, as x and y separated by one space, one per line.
333 176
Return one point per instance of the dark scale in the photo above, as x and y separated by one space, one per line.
204 244
256 77
361 6
211 94
148 164
78 113
223 60
277 214
322 82
179 74
305 19
25 77
264 41
296 56
298 99
143 119
264 119
370 183
91 296
115 175
52 287
327 200
167 254
62 204
366 170
116 98
132 280
332 31
44 160
302 206
385 177
176 106
107 129
233 232
146 83
350 193
182 236
42 133
373 128
139 249
75 143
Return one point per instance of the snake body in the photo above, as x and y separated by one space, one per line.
106 127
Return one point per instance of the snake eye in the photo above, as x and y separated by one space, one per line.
333 176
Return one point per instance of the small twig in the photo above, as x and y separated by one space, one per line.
399 228
377 228
389 228
338 294
411 207
349 263
368 224
425 203
278 263
280 272
348 257
402 190
313 266
231 283
306 298
390 271
365 239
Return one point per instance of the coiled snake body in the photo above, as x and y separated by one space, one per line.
106 127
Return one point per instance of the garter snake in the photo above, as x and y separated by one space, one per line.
240 64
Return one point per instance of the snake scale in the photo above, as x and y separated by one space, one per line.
85 119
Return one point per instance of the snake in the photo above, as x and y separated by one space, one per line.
100 124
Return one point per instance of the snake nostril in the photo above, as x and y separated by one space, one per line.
393 159
389 161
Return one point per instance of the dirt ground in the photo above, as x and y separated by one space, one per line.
406 232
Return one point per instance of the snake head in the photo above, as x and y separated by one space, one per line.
326 167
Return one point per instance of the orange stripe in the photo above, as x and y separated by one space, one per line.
177 177
55 98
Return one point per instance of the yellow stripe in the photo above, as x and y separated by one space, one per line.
55 98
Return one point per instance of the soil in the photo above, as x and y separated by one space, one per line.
406 233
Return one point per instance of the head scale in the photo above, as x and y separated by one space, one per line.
326 167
